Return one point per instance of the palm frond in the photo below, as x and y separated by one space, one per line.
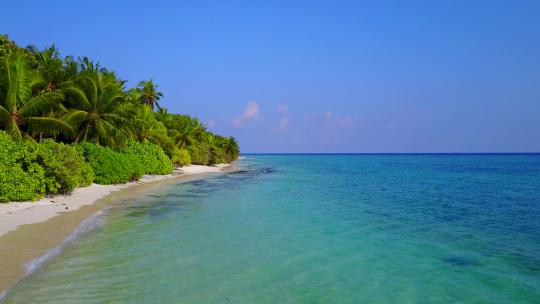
41 103
4 115
77 93
49 125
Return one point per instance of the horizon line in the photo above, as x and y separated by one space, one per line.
386 153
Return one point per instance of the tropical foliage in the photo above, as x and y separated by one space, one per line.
64 165
113 167
53 107
29 170
21 177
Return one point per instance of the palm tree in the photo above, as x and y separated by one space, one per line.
94 100
54 71
22 112
134 96
199 130
6 46
183 137
231 148
145 127
183 130
150 95
163 115
48 66
42 95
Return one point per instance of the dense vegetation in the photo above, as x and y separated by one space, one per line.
69 122
137 159
28 170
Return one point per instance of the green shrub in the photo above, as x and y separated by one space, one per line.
199 153
217 157
29 170
65 165
113 167
168 145
5 138
22 178
150 158
180 157
110 167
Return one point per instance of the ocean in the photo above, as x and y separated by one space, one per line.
396 228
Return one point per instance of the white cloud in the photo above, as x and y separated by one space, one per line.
345 121
284 123
237 122
328 115
282 109
251 110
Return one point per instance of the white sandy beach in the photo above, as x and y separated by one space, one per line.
15 214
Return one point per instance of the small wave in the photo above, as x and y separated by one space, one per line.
87 225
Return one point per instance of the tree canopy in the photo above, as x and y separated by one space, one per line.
68 100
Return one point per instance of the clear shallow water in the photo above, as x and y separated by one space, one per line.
316 229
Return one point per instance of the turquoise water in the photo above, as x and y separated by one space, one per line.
315 229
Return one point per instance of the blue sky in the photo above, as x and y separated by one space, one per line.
310 76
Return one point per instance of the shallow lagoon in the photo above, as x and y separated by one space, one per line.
314 229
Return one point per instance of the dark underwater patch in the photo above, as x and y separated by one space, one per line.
460 261
156 195
163 204
253 171
239 172
183 195
197 182
269 170
138 213
450 218
162 212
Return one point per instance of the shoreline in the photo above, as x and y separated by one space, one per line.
28 230
15 214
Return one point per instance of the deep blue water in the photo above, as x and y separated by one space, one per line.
316 229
